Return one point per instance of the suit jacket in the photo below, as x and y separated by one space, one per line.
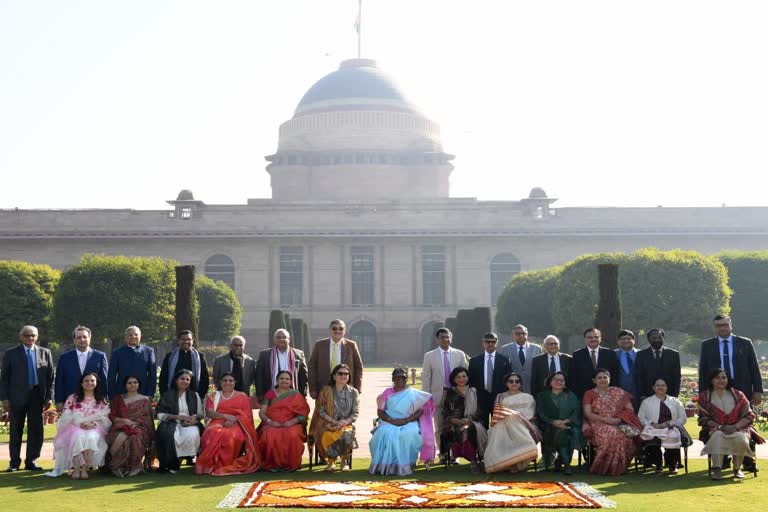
68 372
264 371
580 373
501 367
200 387
540 371
746 371
626 380
223 364
647 370
14 381
320 364
511 352
139 362
432 373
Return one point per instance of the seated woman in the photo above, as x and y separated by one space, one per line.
404 429
228 445
726 419
132 430
81 431
337 406
178 432
559 412
611 424
512 437
663 419
462 431
282 432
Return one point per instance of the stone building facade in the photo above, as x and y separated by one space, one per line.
361 226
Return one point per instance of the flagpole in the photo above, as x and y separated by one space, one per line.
359 26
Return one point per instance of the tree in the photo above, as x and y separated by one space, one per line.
608 318
276 321
462 336
528 299
297 327
109 293
186 301
219 310
748 278
677 290
26 295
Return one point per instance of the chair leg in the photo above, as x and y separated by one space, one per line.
685 462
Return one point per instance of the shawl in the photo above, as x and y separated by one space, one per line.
425 421
501 413
708 411
291 366
175 360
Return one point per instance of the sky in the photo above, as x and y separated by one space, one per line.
107 104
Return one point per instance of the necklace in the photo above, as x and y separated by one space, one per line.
227 397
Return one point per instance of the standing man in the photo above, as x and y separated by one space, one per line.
627 354
76 363
544 365
486 375
185 357
135 360
520 354
654 362
238 363
330 351
734 354
278 358
436 370
586 360
26 390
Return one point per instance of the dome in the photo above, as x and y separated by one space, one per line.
358 84
537 193
185 195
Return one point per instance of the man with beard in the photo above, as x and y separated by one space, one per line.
657 361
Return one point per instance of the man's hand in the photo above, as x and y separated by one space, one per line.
59 407
757 399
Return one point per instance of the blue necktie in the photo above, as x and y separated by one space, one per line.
31 372
727 360
521 355
629 362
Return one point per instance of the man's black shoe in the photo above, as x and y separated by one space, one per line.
32 466
12 469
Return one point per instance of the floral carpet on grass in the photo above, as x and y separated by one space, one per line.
410 494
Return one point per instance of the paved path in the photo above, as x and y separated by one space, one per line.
373 385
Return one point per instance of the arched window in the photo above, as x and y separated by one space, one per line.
364 333
428 340
504 266
221 268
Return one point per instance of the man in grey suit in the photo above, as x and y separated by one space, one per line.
26 390
520 354
238 363
437 367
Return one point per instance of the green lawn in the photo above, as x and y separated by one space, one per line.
185 491
49 432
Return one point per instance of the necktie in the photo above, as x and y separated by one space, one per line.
594 358
81 361
489 374
446 369
521 355
657 355
334 357
629 362
31 373
727 360
552 367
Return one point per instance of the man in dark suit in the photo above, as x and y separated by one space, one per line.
278 358
77 362
736 355
589 358
26 390
486 375
185 357
135 360
238 363
654 362
330 351
551 361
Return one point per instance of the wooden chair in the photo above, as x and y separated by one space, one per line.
314 454
641 456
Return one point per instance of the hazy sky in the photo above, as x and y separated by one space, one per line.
122 104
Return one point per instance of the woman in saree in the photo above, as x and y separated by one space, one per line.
559 412
462 431
726 419
228 445
132 430
178 432
663 418
81 431
282 432
611 424
337 406
404 429
513 436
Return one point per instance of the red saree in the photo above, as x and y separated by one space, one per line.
614 449
281 448
229 450
128 443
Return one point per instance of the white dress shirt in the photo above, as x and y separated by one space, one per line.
82 359
489 359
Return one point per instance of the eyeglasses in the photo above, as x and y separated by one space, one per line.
722 325
29 335
519 333
558 380
342 373
396 377
337 328
513 381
